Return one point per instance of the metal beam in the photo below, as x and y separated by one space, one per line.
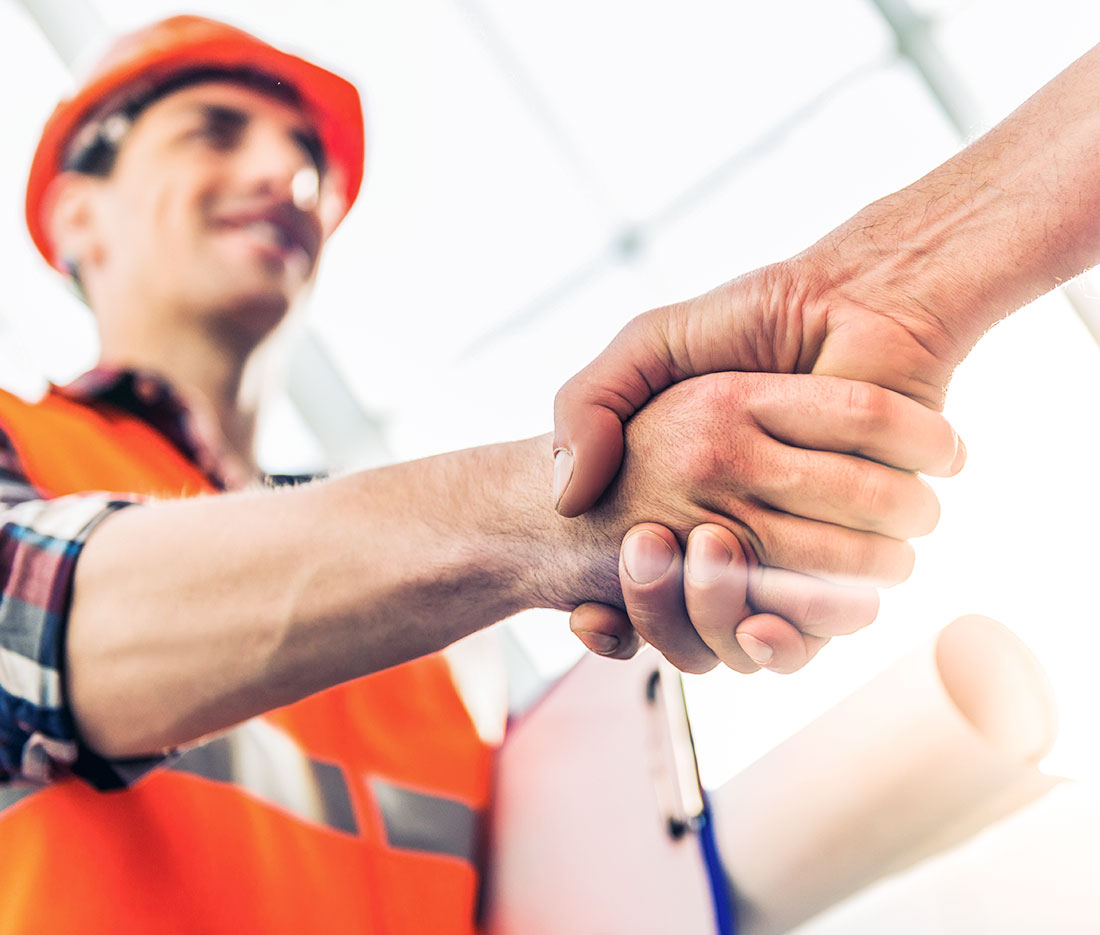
70 26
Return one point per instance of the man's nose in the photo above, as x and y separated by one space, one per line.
275 164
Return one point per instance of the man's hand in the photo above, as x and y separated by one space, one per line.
303 589
792 317
799 316
778 472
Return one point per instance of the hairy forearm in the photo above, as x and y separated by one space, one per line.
1007 219
188 617
191 616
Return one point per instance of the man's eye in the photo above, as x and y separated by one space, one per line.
222 134
221 127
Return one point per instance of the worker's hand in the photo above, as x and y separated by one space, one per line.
780 472
710 594
800 316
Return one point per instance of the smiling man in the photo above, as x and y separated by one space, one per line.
284 641
220 247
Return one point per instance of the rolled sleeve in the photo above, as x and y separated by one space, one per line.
40 542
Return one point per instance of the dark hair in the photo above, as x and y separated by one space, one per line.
94 147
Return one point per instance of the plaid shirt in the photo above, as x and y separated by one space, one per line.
40 543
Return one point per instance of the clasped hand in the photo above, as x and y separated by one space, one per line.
784 502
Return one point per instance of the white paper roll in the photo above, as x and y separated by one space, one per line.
933 749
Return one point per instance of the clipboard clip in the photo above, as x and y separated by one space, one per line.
672 753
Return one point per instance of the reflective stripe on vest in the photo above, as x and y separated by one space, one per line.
262 760
354 810
269 765
431 824
265 762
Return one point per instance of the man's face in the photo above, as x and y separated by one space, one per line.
212 206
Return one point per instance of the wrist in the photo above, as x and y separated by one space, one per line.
909 257
557 562
1007 219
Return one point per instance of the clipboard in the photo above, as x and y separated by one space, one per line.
598 824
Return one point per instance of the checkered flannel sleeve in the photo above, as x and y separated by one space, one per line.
40 542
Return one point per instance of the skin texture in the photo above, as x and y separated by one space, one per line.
896 296
175 633
306 588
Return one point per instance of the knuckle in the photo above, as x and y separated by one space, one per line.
568 395
562 396
868 406
813 607
874 498
865 559
706 464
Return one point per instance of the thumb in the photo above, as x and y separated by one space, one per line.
590 409
588 449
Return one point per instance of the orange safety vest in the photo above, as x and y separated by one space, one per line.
353 810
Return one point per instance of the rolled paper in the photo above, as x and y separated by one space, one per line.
935 748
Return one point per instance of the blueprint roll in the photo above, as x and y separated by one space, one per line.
935 748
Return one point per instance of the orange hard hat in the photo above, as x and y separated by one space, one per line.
153 55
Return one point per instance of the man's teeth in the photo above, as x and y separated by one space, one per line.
269 232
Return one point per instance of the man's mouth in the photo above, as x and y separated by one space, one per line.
270 233
277 232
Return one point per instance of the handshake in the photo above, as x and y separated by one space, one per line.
782 499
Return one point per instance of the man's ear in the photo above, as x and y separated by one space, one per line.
70 217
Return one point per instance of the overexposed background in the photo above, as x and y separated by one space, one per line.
538 173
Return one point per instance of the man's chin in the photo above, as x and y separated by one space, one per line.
252 313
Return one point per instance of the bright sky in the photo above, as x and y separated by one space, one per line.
512 146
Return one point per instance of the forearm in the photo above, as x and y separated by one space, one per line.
188 617
1007 219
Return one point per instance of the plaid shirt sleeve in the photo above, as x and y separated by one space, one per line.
40 542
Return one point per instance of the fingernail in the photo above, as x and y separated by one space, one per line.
563 472
602 643
707 557
646 557
960 456
757 650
